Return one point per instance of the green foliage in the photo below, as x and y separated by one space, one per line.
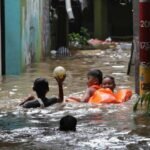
79 39
143 100
84 33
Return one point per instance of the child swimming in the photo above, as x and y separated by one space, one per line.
41 87
68 123
106 94
94 82
109 82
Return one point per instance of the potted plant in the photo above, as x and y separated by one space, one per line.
79 40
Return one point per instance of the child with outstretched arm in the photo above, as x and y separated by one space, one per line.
94 82
41 87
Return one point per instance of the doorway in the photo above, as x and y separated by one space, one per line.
120 19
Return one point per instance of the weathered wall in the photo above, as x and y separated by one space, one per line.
136 42
46 26
35 28
12 37
27 33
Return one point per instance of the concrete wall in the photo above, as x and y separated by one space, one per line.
12 37
136 42
27 33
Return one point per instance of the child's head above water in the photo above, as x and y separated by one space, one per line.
68 123
109 82
41 87
95 77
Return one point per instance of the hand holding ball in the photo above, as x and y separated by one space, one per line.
59 72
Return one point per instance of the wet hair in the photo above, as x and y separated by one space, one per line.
68 123
40 85
110 77
96 73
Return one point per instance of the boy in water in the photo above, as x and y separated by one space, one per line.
41 87
109 82
68 123
95 77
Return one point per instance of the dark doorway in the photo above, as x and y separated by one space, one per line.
88 17
120 19
75 24
63 25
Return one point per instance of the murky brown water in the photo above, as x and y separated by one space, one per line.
100 127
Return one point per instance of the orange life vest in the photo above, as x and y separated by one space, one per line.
96 87
107 96
123 95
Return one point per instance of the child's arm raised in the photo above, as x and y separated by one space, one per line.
60 86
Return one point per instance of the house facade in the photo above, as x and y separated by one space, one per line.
25 33
25 27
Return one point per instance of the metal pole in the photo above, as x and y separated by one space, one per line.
144 45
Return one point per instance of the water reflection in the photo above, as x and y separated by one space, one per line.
99 126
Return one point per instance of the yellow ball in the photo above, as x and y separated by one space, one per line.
59 72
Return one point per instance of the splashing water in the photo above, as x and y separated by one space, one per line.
99 126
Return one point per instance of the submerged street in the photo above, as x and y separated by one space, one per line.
104 126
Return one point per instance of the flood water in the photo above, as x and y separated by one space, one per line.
100 127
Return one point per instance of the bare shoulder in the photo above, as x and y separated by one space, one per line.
91 90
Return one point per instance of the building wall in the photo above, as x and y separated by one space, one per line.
136 42
27 33
12 37
46 26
